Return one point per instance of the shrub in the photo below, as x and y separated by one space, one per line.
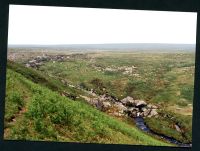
98 83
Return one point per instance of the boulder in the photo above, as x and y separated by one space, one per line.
140 103
129 110
143 109
147 112
128 101
120 107
32 61
94 102
153 113
133 114
106 105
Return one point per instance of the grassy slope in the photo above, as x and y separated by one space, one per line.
42 78
48 116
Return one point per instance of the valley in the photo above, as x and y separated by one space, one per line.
94 96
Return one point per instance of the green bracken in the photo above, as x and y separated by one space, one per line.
50 116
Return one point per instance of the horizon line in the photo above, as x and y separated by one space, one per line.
104 44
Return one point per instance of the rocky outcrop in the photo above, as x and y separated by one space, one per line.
99 103
126 70
39 60
139 108
125 107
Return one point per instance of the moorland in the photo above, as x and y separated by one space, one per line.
94 96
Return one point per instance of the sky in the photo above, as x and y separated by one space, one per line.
45 25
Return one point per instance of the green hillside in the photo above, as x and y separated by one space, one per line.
35 110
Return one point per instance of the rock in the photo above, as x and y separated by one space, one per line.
28 65
178 128
117 114
106 105
143 109
101 105
121 108
150 106
32 61
98 104
93 101
130 109
147 112
136 109
154 107
140 103
128 101
106 97
153 113
102 97
141 114
133 114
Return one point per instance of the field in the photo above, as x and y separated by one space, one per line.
93 96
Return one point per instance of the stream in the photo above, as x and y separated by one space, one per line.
141 125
